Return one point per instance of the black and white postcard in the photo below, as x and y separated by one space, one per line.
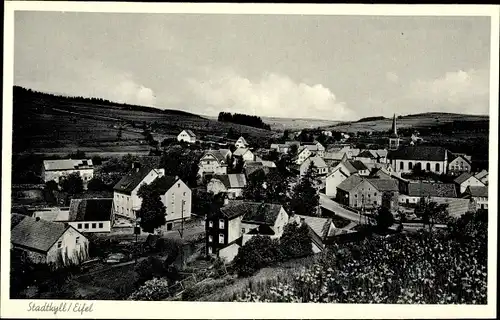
237 161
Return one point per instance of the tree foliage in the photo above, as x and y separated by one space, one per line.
96 184
257 253
305 198
432 212
182 163
296 241
72 184
244 119
384 218
152 211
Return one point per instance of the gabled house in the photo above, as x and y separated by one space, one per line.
241 143
359 192
315 148
91 215
465 180
320 167
387 173
372 156
238 221
230 184
333 179
214 162
280 147
428 158
346 166
126 202
335 156
56 170
360 167
186 136
54 243
302 154
432 191
459 164
243 154
176 195
479 196
482 176
320 229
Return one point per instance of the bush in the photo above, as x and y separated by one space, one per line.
96 184
152 290
257 253
296 241
200 290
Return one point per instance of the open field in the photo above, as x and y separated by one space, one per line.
54 124
410 121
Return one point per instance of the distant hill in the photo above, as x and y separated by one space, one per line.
416 121
367 119
44 121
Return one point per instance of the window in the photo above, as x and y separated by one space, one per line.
221 238
209 250
79 226
210 239
184 194
94 225
59 244
407 200
375 202
86 226
401 165
77 240
169 226
221 223
210 224
178 185
375 194
437 167
428 166
242 230
101 225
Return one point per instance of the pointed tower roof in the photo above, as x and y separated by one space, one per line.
394 129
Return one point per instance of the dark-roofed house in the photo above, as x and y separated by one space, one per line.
479 195
482 176
214 162
238 221
429 158
61 168
177 198
360 192
465 180
126 202
187 136
360 167
232 184
91 215
320 167
459 164
53 243
319 230
418 190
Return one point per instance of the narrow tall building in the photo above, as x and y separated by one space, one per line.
394 138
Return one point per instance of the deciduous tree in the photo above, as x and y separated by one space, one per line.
305 198
72 184
152 211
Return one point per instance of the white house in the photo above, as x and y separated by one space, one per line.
187 136
315 148
465 180
327 133
432 191
320 229
177 198
91 215
126 202
459 164
482 176
241 143
231 184
479 195
46 242
57 169
429 158
214 162
302 154
333 179
320 167
244 154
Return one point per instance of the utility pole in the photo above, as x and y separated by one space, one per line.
181 232
137 230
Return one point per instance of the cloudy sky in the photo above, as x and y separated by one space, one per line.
327 67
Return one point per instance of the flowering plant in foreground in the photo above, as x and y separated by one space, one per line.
436 268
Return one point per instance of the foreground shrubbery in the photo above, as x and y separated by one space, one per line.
447 267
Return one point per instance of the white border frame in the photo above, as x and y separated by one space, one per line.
172 310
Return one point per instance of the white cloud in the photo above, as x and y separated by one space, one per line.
271 95
392 77
458 91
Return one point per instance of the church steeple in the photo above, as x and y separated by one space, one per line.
394 127
394 138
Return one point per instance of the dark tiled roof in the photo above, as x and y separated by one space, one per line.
426 153
90 209
350 168
232 180
164 183
219 155
190 133
384 184
36 235
130 181
454 156
320 226
350 183
255 212
477 191
366 154
426 189
264 230
358 165
462 178
15 219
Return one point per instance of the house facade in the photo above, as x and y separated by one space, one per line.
53 243
302 155
91 215
432 191
333 179
214 162
243 154
482 176
358 192
479 196
320 167
186 136
458 165
241 143
177 198
230 184
466 180
55 170
320 229
126 202
427 158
